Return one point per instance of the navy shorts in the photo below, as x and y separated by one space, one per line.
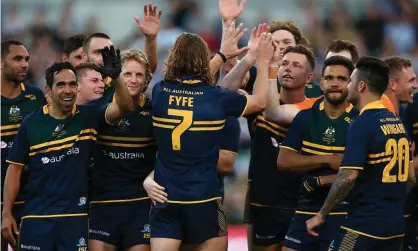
55 233
121 224
191 223
270 224
347 240
298 238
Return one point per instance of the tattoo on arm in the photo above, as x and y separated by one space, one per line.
235 77
341 187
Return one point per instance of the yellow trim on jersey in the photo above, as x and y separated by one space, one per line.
107 81
59 141
176 121
228 151
193 201
209 122
126 138
15 163
22 87
352 167
373 236
304 149
245 107
118 201
7 127
349 108
289 148
271 123
377 155
407 216
376 158
45 109
13 130
189 81
8 133
314 213
379 160
206 128
52 216
203 125
124 144
373 105
330 148
163 126
270 129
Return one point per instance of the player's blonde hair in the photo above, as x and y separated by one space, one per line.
140 57
189 56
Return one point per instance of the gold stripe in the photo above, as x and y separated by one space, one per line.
124 145
379 160
8 133
7 127
377 155
289 148
372 236
330 148
193 202
270 129
314 152
352 167
206 128
22 86
52 216
15 163
349 108
209 122
191 81
271 123
118 201
166 120
245 107
163 126
228 151
126 138
54 142
314 213
51 149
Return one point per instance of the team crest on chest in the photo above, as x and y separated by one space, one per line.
14 114
30 96
122 126
59 131
329 135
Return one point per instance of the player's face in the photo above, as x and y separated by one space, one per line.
345 54
294 71
353 93
334 84
91 85
405 85
284 39
75 58
15 65
64 90
96 45
133 75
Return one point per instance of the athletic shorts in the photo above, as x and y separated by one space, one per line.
297 237
55 233
191 223
121 224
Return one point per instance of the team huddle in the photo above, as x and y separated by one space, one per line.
93 163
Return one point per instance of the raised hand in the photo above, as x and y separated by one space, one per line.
265 48
255 37
277 56
229 46
230 10
112 66
151 23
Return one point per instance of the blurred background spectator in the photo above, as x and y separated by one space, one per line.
378 27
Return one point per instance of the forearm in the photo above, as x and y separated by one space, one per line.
234 78
295 162
261 86
271 113
151 175
215 64
327 181
226 162
11 189
151 52
343 184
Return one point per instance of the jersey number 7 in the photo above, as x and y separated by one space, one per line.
400 154
182 127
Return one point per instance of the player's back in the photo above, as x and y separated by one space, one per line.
188 117
379 193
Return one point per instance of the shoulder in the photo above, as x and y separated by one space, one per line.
34 90
305 114
34 116
352 111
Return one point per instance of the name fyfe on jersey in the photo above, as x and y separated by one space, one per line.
55 159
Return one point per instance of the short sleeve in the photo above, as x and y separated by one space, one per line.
293 140
233 103
19 153
230 134
356 149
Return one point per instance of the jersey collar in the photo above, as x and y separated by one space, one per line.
22 87
373 105
45 109
347 109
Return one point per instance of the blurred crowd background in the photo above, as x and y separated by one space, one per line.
378 27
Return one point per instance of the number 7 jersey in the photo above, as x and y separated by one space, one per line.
188 117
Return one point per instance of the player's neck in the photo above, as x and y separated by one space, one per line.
335 111
394 100
294 96
9 89
57 113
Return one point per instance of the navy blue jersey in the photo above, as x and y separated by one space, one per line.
57 152
188 118
229 141
410 119
314 133
377 146
125 156
12 113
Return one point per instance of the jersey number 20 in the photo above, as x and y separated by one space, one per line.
400 154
